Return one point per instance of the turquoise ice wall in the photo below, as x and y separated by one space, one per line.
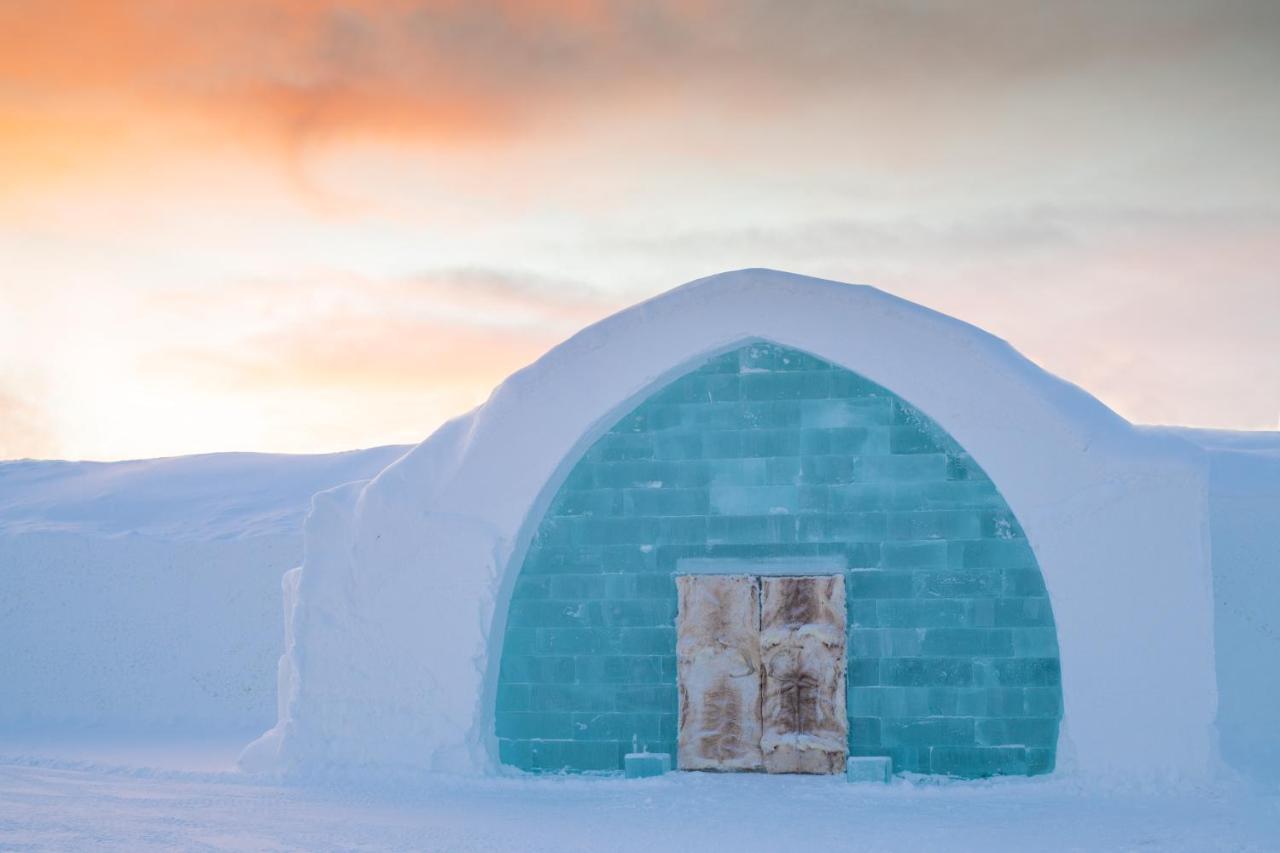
769 452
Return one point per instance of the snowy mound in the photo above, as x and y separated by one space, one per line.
395 620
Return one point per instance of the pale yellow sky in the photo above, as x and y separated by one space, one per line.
306 226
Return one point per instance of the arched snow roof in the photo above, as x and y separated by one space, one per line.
401 604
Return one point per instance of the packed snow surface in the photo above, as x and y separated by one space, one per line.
51 804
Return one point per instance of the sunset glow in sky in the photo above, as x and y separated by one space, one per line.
301 225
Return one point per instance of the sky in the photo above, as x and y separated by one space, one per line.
304 225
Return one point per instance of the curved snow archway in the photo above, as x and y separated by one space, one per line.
398 616
768 459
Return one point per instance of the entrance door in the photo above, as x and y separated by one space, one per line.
718 669
761 671
802 645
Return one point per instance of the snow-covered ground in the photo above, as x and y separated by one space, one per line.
103 802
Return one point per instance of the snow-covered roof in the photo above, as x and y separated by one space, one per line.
400 605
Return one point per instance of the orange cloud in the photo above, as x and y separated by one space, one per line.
90 87
460 331
374 354
283 68
85 78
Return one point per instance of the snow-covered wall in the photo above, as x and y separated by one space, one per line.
402 599
1244 519
146 594
132 632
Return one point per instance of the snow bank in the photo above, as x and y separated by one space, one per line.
401 602
147 594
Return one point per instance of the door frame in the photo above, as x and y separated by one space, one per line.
759 568
804 566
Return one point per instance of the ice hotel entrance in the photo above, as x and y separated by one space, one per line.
760 667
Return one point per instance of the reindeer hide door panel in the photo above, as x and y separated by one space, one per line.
802 646
761 671
718 670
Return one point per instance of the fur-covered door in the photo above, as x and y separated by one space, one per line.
718 669
762 681
802 646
